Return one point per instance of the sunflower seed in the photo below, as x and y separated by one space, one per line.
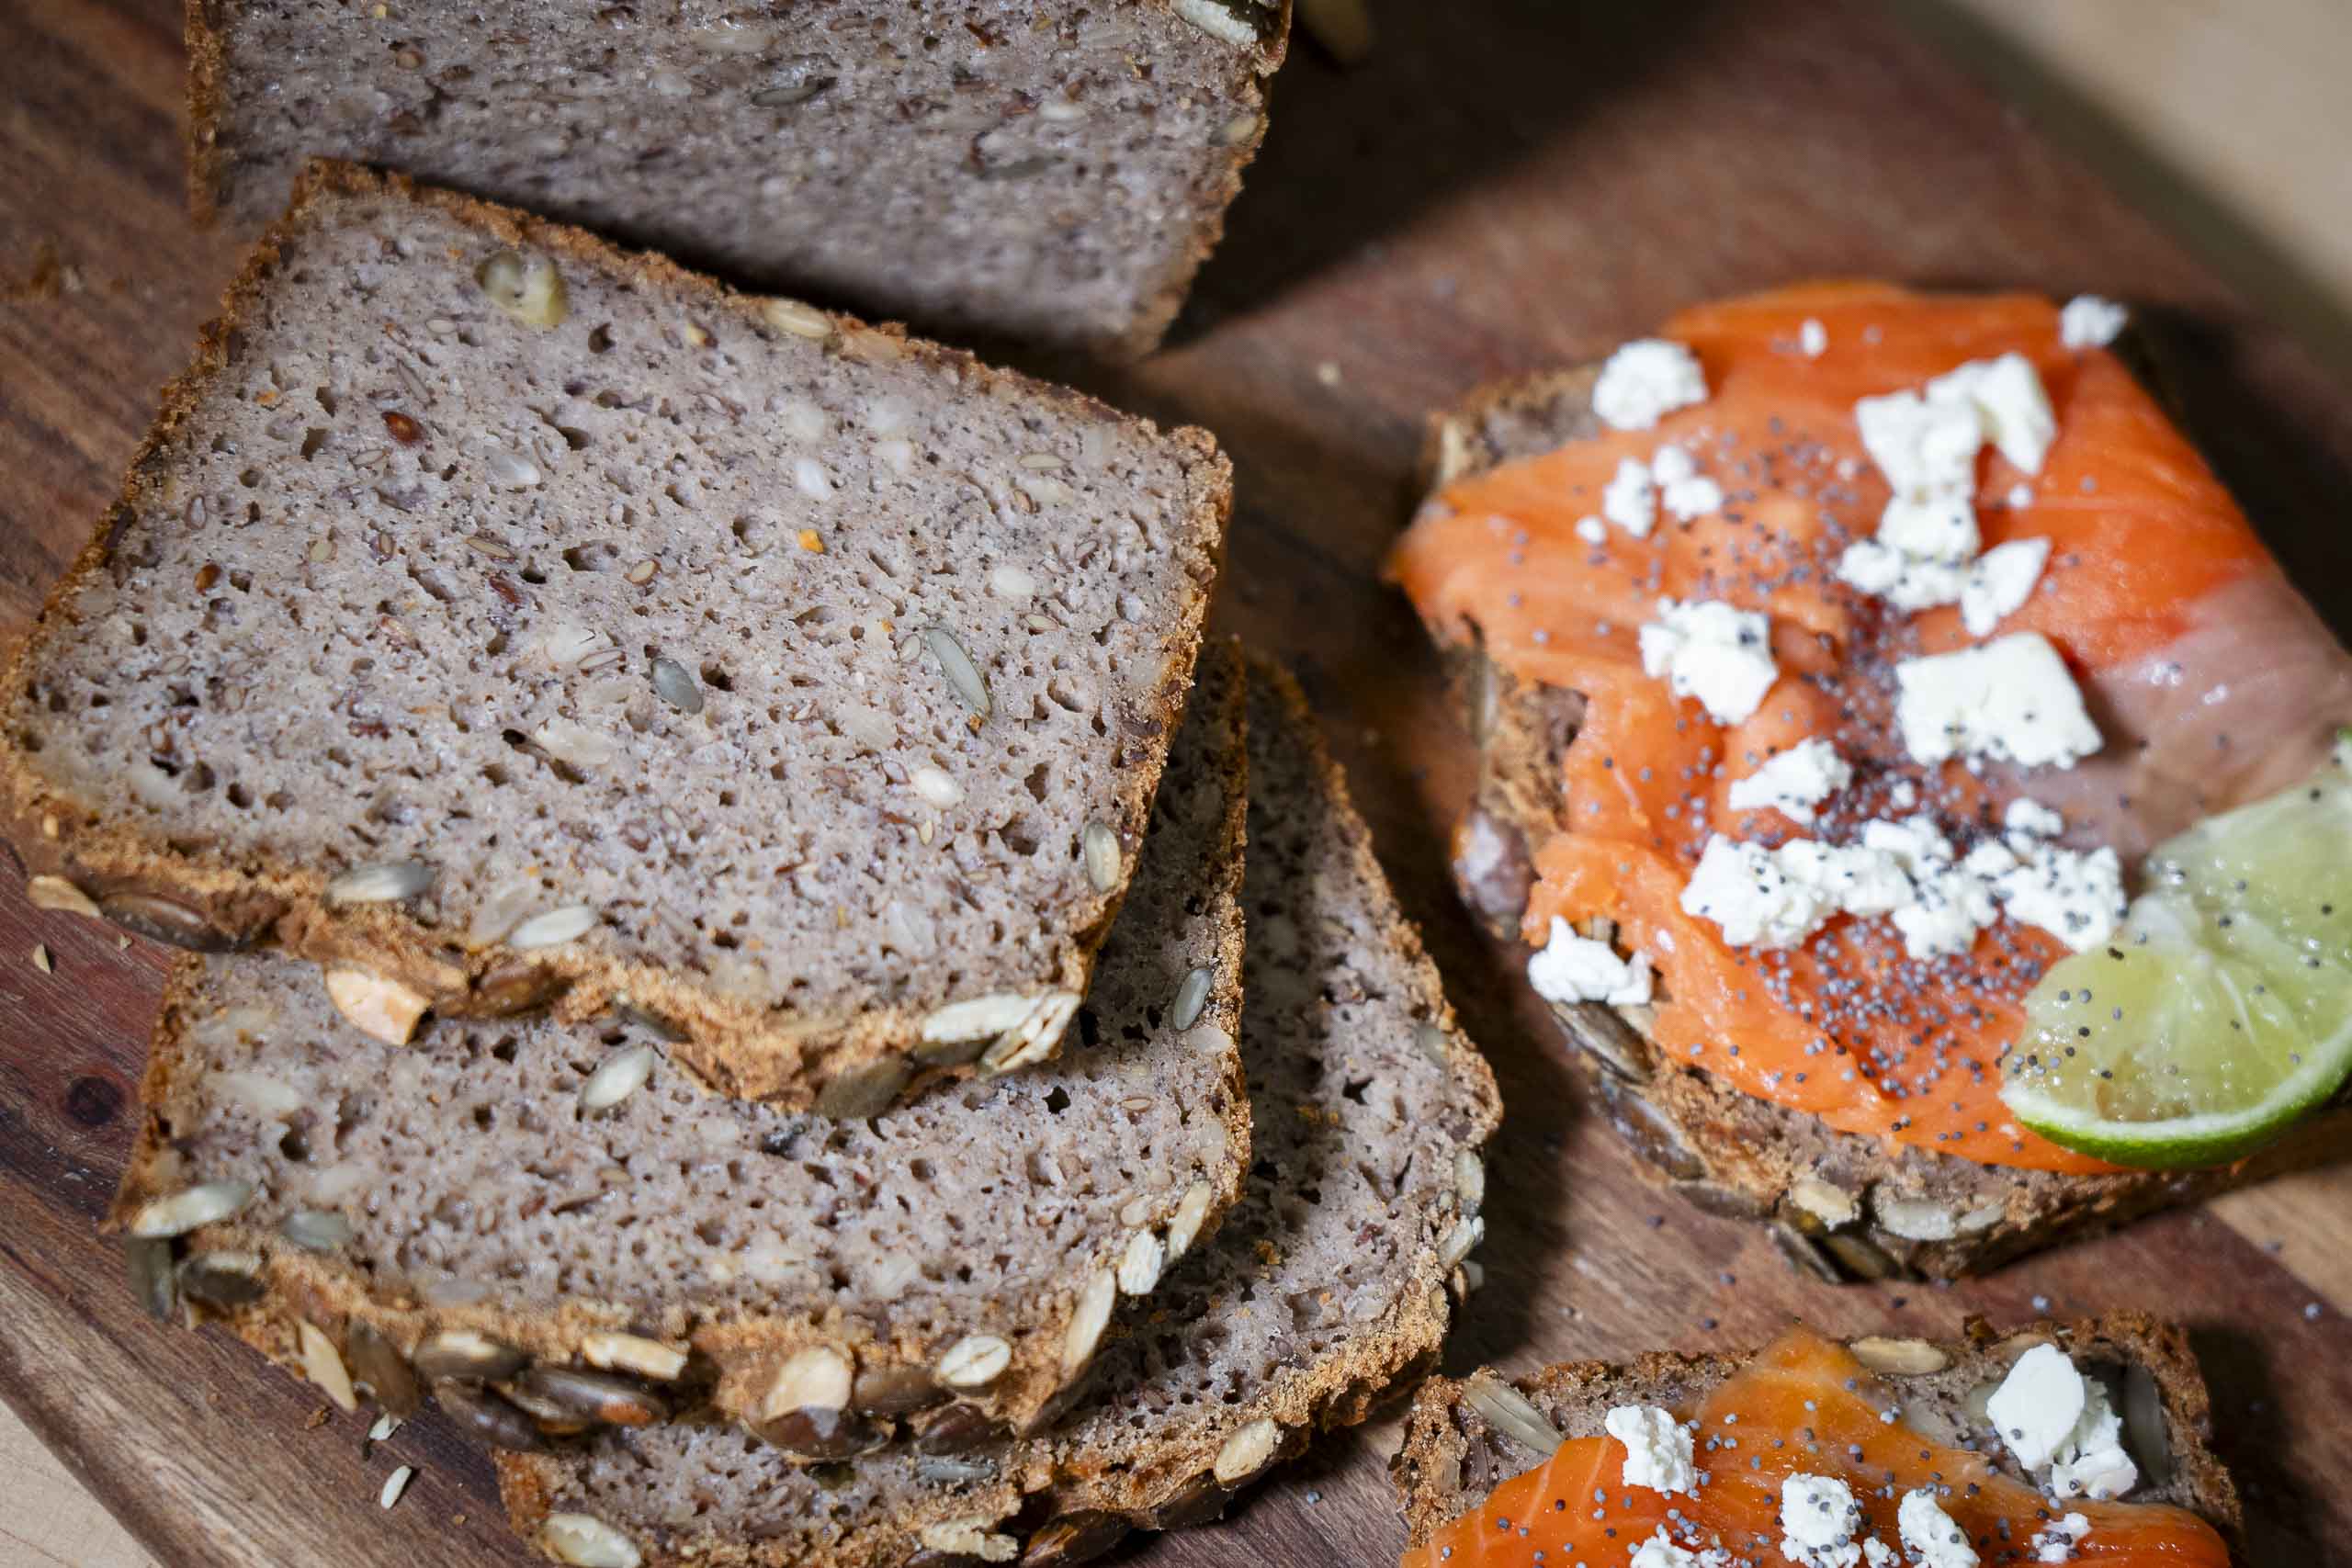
466 1353
148 1260
167 921
1101 847
1191 996
674 685
322 1364
1826 1202
56 893
1246 1452
394 1484
481 1414
619 1076
1465 1236
185 1211
375 1363
1508 1411
1087 1323
554 927
384 883
1034 1037
1140 1264
977 1017
1901 1358
1914 1219
376 1005
963 675
800 320
599 1396
1469 1180
632 1353
1184 1227
527 288
975 1362
585 1541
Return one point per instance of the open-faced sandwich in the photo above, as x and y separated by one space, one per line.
1921 785
2057 1442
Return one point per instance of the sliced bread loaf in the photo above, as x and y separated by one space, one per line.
497 618
556 1195
1327 1284
1842 1205
1467 1436
1053 172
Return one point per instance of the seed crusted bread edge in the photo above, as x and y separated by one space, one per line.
1444 1426
1840 1205
1092 1499
192 900
739 1349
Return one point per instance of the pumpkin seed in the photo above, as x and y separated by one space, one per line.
315 1230
464 1354
375 1363
619 1076
167 921
674 684
224 1279
963 675
894 1390
482 1414
383 883
185 1211
1192 996
600 1397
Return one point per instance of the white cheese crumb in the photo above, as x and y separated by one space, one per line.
1707 649
2037 1404
1645 379
1947 904
2076 897
2057 1543
2032 818
1745 889
1658 1447
1999 581
1876 1553
1812 338
2013 408
1929 1534
1659 1552
1905 581
2011 700
1572 968
1591 530
2020 496
1931 525
2088 322
1629 500
1686 492
1818 1516
1793 782
2091 1461
1922 447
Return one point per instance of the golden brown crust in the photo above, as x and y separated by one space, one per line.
737 1046
1842 1205
1441 1428
208 71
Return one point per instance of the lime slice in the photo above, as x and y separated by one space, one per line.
2221 1009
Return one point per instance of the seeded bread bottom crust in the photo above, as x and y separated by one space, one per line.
1060 1502
1445 1436
183 895
1841 1205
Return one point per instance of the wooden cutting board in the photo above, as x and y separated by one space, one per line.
1502 187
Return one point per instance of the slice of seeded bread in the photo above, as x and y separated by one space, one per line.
1327 1284
1467 1437
501 618
1052 172
950 1259
1840 1204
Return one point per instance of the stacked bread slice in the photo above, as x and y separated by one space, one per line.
796 1013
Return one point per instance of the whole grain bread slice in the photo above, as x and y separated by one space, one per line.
504 618
1466 1437
949 1260
1326 1286
1048 172
1842 1205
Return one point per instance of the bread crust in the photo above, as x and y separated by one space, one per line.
1063 1501
185 895
1841 1205
209 24
1444 1429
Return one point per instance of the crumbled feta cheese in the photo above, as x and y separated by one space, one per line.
1937 525
2036 1405
1671 464
1922 447
1876 1553
1659 1552
2011 700
1645 379
2032 818
1745 889
1686 492
1812 337
1707 649
1591 530
1629 500
1577 969
2057 1543
1818 1517
1904 795
2088 322
2091 1462
2075 896
2020 496
2007 396
1929 1534
1998 581
1658 1447
1793 782
1907 582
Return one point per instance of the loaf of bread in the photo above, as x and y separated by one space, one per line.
561 1195
1326 1286
1047 173
500 620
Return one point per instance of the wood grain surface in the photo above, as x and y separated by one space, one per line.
1501 186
